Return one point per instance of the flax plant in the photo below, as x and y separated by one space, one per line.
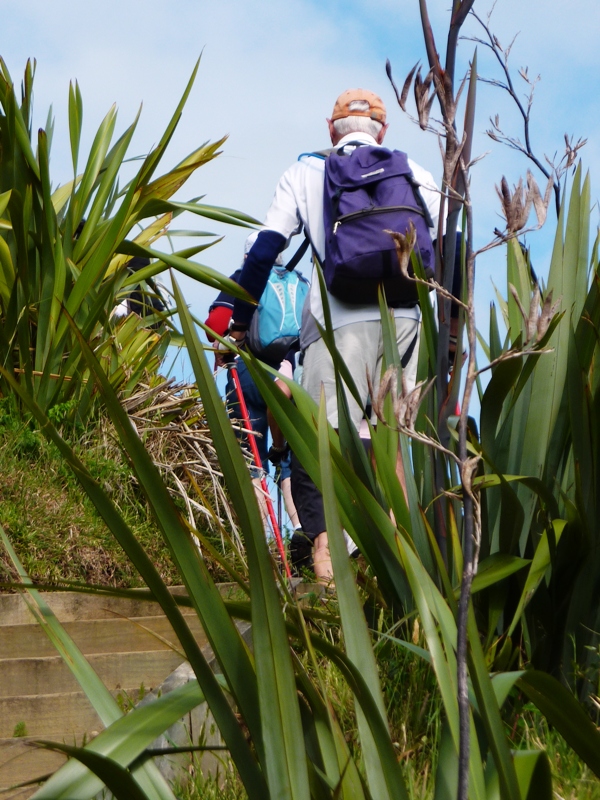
296 746
497 598
463 460
64 249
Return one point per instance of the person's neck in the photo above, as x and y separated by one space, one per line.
359 136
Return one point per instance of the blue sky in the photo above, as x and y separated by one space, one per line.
270 73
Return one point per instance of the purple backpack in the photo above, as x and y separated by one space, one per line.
367 192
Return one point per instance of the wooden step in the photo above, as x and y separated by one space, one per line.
47 716
94 636
40 697
70 606
50 673
21 762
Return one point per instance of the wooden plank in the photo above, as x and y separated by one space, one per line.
48 674
20 762
46 716
70 606
94 636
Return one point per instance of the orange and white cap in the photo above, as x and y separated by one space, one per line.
352 103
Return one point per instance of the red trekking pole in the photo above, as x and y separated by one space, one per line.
258 463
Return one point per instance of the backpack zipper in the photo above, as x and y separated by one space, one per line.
374 210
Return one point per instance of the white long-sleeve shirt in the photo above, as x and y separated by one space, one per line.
298 203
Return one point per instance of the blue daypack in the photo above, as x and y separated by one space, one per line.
368 191
275 326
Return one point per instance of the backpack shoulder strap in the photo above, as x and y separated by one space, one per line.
297 257
419 198
323 154
415 186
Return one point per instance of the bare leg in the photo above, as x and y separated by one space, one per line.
286 490
322 559
262 502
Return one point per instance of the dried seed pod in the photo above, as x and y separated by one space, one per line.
405 244
406 407
532 320
422 98
400 96
389 383
549 309
572 149
540 204
444 88
515 206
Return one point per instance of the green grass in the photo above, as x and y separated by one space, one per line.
571 778
54 527
224 787
414 709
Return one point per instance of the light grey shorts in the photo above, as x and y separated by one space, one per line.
361 346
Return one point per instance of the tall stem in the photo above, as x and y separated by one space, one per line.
460 10
444 275
469 560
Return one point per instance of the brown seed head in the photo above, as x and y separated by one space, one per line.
404 246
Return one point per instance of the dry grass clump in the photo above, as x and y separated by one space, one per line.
170 420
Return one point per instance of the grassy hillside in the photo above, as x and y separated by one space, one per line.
54 526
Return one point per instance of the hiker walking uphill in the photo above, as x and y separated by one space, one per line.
311 195
275 329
